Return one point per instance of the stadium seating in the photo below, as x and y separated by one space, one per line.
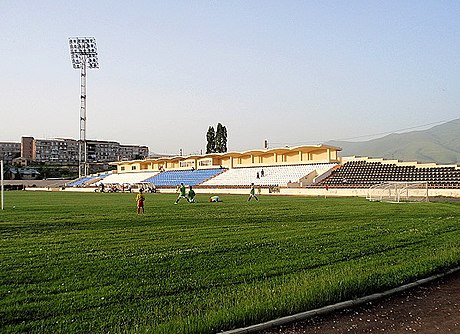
188 177
352 174
273 175
88 180
81 181
363 174
128 178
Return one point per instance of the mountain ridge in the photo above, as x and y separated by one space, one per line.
439 144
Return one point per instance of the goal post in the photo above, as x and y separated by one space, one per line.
1 184
397 192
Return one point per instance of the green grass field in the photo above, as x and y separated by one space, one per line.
86 263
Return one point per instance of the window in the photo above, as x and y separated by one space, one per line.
133 167
207 162
122 168
186 163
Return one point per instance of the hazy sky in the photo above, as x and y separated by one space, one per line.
291 72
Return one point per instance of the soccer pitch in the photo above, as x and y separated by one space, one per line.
86 263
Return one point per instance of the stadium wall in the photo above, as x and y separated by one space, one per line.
313 192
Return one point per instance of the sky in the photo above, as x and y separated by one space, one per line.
289 72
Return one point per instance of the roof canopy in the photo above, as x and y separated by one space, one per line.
281 150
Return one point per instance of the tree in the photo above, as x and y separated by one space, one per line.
221 138
217 140
224 139
211 139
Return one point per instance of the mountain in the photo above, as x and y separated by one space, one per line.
440 144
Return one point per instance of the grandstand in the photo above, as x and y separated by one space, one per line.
307 170
265 176
365 172
280 167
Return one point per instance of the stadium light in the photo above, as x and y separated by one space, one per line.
83 53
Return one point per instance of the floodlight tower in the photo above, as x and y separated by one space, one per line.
83 52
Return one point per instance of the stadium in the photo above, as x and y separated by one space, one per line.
314 170
240 241
316 237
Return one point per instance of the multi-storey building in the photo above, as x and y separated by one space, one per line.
132 152
9 151
102 151
56 151
28 148
64 151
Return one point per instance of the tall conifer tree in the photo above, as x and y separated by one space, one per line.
224 139
211 140
219 138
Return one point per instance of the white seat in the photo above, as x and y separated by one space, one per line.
273 175
129 178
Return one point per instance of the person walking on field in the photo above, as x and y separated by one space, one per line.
252 193
182 193
140 198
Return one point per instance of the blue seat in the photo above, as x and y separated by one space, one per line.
81 181
188 177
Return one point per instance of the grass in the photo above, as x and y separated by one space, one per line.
80 263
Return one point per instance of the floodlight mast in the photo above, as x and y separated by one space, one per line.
83 166
83 51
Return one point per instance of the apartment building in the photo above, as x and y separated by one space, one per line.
9 151
56 151
65 151
102 151
132 152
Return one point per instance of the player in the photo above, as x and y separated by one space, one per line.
140 198
214 199
182 193
252 193
191 195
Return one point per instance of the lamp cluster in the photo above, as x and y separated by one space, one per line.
82 50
